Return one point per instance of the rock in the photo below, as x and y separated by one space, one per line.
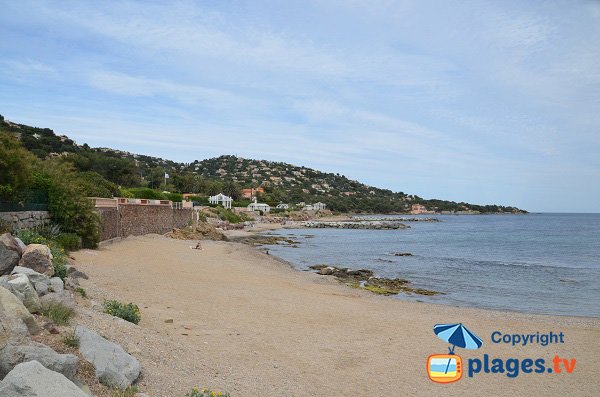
402 254
56 284
75 274
10 253
169 321
71 283
12 355
64 298
14 316
32 275
326 271
32 379
114 366
39 258
19 285
21 244
41 288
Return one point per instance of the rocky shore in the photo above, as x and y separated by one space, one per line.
372 225
32 301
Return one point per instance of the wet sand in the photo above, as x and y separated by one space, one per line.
256 327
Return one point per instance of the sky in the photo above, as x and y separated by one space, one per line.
484 102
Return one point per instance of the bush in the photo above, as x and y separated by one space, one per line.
206 392
69 241
131 391
128 312
58 313
228 215
71 340
81 292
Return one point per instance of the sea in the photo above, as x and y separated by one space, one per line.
536 263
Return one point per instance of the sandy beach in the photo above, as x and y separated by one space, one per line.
245 322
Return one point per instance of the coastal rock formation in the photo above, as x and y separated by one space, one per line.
19 285
32 379
201 231
14 316
402 254
39 258
12 355
114 366
374 225
10 253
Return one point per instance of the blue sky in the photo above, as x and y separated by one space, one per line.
486 102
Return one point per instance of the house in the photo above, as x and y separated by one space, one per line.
417 209
259 207
282 206
220 198
319 206
252 192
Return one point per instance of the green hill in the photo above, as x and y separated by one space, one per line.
282 182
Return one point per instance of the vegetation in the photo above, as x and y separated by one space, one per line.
69 241
206 392
108 172
59 255
128 312
58 313
71 340
131 391
81 292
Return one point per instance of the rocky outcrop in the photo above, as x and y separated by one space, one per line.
19 285
39 281
39 258
32 379
12 355
10 253
374 225
114 366
64 298
14 316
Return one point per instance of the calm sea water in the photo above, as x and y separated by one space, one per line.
540 263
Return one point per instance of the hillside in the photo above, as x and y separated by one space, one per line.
282 182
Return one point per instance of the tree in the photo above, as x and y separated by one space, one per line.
16 167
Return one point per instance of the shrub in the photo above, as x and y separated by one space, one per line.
69 241
131 391
71 340
129 311
81 292
58 313
206 392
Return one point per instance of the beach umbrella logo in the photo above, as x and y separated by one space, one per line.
447 368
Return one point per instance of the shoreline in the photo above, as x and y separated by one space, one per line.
257 325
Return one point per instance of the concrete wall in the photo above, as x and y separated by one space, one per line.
137 220
25 219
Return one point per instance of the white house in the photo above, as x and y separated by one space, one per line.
259 207
282 206
319 206
220 198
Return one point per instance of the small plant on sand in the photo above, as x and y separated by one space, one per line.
129 311
58 313
71 340
131 391
206 392
81 292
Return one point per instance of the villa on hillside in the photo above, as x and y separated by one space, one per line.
259 207
220 198
314 207
282 206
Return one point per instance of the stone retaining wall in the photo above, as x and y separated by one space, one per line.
136 220
25 219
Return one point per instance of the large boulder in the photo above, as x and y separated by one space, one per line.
13 354
56 284
10 253
40 282
114 366
19 285
64 298
14 317
32 379
21 244
39 258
